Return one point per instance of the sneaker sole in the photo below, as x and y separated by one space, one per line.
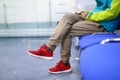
48 58
69 70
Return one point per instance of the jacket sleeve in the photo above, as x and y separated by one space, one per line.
107 14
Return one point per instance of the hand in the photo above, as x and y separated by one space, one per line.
78 13
83 14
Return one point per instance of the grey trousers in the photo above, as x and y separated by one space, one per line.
71 25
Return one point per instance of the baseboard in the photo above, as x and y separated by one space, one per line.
25 32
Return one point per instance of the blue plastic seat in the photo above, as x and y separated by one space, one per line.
101 61
95 38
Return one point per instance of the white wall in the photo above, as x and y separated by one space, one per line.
42 10
85 4
33 17
1 12
18 11
60 7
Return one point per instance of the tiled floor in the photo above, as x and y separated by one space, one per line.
16 64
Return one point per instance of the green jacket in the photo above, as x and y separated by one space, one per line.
107 13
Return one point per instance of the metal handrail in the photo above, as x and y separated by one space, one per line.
110 40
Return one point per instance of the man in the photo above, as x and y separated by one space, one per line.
105 17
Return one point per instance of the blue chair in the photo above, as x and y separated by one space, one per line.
101 61
95 38
92 51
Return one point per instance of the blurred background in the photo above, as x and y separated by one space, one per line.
27 24
35 17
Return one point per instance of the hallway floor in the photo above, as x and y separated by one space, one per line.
16 64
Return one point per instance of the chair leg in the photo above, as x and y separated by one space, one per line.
79 53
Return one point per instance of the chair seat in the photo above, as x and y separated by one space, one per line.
95 38
101 62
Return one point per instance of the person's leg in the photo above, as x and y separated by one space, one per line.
62 29
85 27
78 29
46 50
66 49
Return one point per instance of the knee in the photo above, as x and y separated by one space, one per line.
69 15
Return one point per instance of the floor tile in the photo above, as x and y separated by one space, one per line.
16 64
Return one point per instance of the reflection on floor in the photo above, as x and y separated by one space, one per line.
16 64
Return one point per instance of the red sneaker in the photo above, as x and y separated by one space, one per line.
60 68
42 52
